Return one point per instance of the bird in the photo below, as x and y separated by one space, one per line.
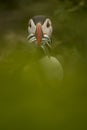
40 31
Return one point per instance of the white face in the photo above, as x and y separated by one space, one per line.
31 27
46 27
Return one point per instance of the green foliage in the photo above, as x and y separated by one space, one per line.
29 99
14 4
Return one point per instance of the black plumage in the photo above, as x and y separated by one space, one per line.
39 19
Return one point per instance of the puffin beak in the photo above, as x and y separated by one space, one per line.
39 33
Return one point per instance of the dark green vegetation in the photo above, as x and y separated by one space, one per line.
28 99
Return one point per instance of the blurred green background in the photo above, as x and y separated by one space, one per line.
28 99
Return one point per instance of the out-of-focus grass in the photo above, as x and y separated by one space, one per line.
28 99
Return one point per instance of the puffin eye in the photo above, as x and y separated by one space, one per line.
48 24
29 24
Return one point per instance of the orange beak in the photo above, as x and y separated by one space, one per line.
39 33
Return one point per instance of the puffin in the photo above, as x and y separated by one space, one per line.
40 31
